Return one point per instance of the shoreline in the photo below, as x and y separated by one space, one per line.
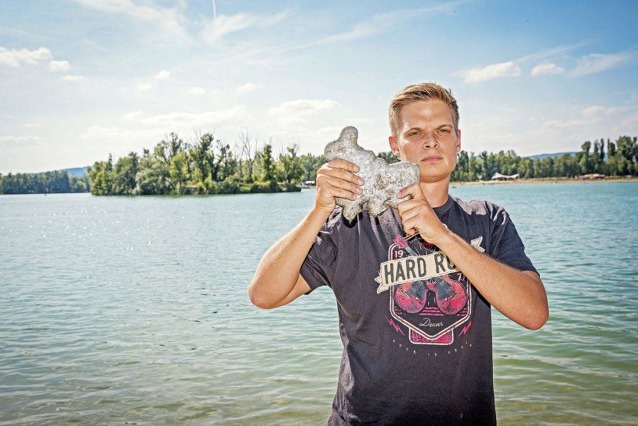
546 180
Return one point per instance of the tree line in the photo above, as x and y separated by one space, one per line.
617 158
209 166
55 182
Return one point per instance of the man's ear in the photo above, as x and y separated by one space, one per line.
394 146
458 141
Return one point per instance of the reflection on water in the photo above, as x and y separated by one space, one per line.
135 310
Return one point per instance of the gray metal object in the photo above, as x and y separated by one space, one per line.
383 181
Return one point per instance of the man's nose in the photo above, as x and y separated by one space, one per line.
430 140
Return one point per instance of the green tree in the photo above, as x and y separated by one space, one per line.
545 167
179 172
526 168
612 163
461 172
10 185
80 183
388 156
311 164
488 165
124 174
164 153
598 156
101 175
55 182
151 177
203 159
584 158
628 150
225 165
267 164
248 154
289 166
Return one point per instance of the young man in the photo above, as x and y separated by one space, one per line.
414 286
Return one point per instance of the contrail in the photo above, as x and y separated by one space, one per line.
214 11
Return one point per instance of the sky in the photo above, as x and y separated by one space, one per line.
82 79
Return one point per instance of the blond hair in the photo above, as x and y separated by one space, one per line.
420 92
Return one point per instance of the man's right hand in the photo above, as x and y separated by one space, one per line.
337 178
277 280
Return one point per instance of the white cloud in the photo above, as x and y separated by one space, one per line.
97 132
73 78
381 22
593 111
59 66
595 120
248 87
227 24
360 120
179 121
197 90
550 52
146 84
546 68
115 140
14 58
138 130
294 115
133 115
512 68
574 123
375 25
596 63
162 75
490 72
303 107
20 140
169 20
223 24
629 124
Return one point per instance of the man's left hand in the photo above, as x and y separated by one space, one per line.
418 216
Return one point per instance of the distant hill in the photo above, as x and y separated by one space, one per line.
554 155
76 171
73 171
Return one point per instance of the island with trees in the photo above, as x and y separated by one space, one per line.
208 166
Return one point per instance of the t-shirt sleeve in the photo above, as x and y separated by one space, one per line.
319 265
507 244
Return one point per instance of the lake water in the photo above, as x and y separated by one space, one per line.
121 310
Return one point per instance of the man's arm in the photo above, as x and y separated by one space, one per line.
277 280
519 295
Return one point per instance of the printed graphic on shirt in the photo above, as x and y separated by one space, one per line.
428 295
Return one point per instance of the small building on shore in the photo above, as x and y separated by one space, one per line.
498 176
591 176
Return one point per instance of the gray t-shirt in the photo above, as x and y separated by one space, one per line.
417 336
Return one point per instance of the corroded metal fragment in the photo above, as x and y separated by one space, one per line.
382 180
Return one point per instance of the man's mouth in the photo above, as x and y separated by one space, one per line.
431 158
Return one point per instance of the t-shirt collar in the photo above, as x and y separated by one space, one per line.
445 207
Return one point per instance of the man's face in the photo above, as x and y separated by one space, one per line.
427 137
